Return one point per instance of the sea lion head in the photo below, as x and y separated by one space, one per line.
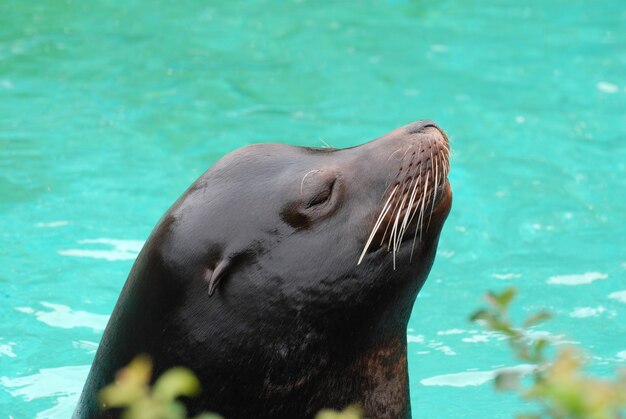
323 233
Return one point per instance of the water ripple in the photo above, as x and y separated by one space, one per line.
119 249
64 317
581 279
64 384
473 378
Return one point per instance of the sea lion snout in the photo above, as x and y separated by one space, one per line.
416 187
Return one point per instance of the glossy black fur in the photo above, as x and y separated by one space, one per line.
294 325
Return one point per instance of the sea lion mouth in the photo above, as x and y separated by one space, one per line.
417 194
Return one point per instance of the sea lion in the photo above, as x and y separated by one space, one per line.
284 277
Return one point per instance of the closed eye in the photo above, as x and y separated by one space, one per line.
319 196
322 196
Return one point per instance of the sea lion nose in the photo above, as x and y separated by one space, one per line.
419 126
427 126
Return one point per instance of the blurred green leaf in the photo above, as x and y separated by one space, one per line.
208 416
482 315
120 396
176 382
131 391
502 300
538 348
561 387
505 328
537 318
137 373
350 412
507 380
148 408
131 384
506 297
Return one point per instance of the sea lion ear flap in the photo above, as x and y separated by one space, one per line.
213 276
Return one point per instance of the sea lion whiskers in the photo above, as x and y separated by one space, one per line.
384 194
421 217
446 157
377 224
416 199
394 231
407 150
409 213
410 210
417 205
436 186
398 213
391 155
413 197
304 177
415 235
382 240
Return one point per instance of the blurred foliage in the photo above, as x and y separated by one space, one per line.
559 386
350 412
132 392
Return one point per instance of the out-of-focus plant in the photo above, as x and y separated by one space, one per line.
560 386
350 412
132 392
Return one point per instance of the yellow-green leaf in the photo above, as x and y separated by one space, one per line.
350 412
537 318
176 382
507 380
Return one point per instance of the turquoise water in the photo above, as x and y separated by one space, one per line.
109 110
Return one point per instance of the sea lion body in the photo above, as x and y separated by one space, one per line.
259 279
